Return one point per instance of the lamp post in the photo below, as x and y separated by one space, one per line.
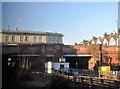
76 65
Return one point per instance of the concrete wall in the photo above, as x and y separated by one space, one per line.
50 66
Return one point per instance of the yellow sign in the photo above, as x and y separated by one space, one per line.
104 70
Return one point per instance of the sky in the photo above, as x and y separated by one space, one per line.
75 20
119 15
0 15
60 0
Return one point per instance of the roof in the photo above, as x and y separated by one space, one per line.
29 32
76 55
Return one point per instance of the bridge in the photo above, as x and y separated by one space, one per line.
27 55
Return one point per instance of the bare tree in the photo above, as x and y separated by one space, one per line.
25 62
94 51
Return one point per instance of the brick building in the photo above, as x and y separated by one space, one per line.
110 49
112 39
110 54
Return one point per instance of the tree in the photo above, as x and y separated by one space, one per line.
25 63
94 50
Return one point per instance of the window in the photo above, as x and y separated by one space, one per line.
21 38
26 38
50 41
40 39
53 40
7 38
13 38
35 39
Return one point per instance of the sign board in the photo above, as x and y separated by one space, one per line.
104 70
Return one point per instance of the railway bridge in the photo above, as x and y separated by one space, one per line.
29 54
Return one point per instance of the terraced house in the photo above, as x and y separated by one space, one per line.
112 39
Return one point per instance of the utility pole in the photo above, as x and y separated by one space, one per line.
8 27
100 55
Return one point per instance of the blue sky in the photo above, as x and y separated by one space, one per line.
0 15
75 20
60 0
119 15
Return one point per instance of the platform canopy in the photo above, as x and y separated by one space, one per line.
76 55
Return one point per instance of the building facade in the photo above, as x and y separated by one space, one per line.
112 39
110 54
29 37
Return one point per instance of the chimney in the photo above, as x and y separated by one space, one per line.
111 34
105 34
94 38
16 28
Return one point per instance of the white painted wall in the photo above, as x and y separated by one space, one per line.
61 59
98 41
105 42
112 41
93 42
48 67
56 66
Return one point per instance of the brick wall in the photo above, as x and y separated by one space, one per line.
112 52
